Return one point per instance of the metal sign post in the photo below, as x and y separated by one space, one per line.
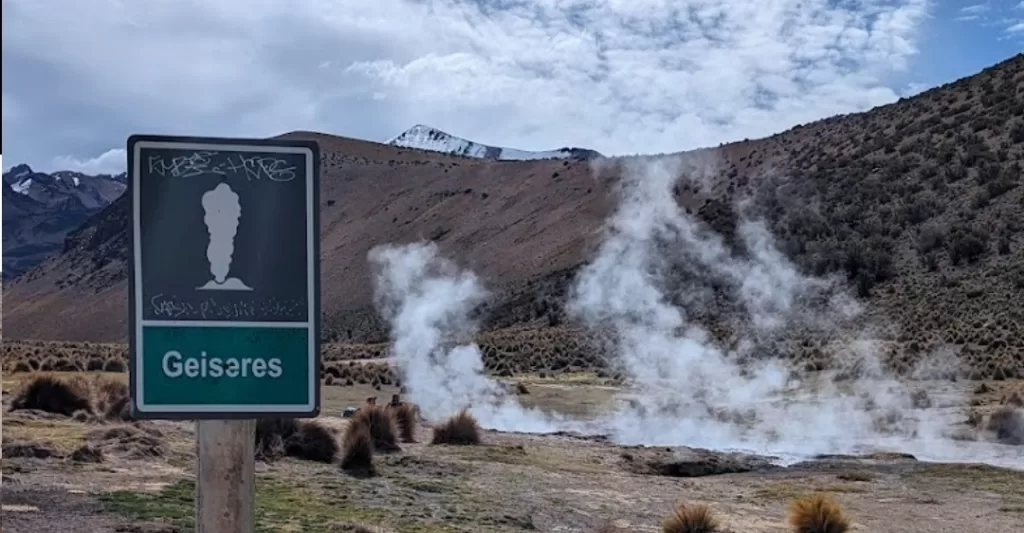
224 299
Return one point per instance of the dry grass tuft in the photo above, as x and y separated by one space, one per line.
461 429
817 513
301 439
381 425
54 395
271 434
312 442
112 399
690 518
405 417
87 454
357 457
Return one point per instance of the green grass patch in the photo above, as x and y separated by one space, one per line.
426 485
63 434
279 507
173 505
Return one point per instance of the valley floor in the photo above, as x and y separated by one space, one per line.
512 483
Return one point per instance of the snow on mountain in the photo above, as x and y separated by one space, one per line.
40 209
427 138
63 186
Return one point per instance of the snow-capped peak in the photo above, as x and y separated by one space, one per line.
22 185
428 138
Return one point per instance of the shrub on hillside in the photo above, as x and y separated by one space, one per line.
690 518
931 237
357 454
380 424
460 429
967 243
817 513
54 395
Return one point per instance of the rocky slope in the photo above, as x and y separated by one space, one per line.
40 209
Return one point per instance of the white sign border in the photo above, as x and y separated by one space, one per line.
310 408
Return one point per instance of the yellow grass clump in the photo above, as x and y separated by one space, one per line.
381 425
690 518
405 416
357 453
817 513
461 429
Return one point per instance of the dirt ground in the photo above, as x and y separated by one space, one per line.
142 482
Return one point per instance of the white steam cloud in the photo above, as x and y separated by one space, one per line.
691 391
221 213
428 300
656 265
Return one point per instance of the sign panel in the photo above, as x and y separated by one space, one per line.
225 282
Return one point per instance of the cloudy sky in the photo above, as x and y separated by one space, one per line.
620 76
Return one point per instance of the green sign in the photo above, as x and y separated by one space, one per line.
224 285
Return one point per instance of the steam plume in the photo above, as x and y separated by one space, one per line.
427 300
692 391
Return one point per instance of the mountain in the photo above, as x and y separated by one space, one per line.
426 138
917 205
40 209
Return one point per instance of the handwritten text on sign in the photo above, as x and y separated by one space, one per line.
253 167
166 307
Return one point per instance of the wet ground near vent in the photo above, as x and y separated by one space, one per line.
512 483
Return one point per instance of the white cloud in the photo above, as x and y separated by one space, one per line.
615 75
1004 16
110 162
976 8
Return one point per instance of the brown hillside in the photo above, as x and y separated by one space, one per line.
918 203
508 221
